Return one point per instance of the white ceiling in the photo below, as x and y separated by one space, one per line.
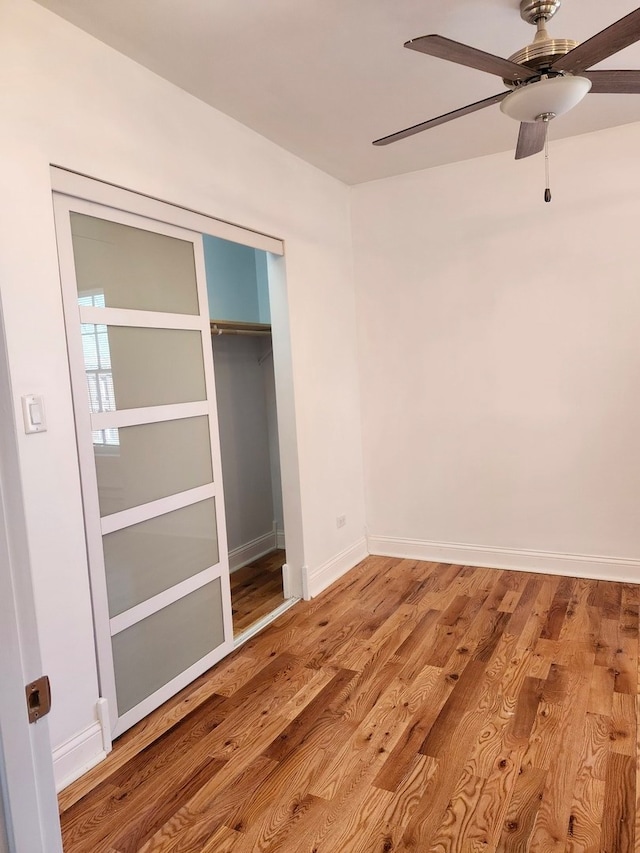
323 78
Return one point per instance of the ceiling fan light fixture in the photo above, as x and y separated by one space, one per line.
555 95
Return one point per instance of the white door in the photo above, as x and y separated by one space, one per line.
141 364
28 804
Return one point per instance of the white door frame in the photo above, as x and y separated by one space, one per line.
26 766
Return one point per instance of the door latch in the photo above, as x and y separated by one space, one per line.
38 698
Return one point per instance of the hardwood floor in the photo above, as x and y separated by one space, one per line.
412 707
256 590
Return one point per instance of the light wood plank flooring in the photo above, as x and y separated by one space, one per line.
256 590
412 707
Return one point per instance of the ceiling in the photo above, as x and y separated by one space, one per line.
323 78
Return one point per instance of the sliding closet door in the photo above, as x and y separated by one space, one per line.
142 375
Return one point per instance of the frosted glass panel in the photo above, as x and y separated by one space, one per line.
154 555
152 652
118 266
151 461
129 367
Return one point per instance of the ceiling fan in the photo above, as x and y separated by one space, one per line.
545 79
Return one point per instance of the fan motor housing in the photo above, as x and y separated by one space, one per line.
543 52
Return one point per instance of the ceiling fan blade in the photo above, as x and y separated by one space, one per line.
614 82
530 138
455 51
434 122
624 32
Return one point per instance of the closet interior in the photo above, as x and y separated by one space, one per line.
238 293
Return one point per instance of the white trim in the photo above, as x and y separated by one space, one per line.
139 319
80 186
293 581
102 710
143 512
77 755
163 599
287 582
288 438
245 554
622 569
148 415
254 629
280 540
304 576
329 572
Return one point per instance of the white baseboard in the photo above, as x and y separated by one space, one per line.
280 540
323 576
621 569
77 755
245 554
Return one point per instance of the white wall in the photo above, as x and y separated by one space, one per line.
500 359
244 440
67 99
233 287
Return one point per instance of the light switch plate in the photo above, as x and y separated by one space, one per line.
33 413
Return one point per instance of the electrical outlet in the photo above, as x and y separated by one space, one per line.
341 520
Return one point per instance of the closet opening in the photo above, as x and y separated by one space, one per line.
241 338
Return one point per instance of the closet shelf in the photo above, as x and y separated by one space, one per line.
232 327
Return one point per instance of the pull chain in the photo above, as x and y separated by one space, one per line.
547 191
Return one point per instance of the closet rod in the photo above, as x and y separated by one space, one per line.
232 327
216 331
